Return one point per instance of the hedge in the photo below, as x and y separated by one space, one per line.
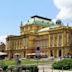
31 68
65 64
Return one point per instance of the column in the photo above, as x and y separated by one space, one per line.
49 41
49 54
62 53
55 53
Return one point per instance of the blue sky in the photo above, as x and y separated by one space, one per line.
12 12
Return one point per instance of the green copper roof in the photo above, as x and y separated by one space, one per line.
40 21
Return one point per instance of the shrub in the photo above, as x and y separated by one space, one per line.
31 68
3 65
65 64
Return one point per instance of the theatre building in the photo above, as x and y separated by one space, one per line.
53 39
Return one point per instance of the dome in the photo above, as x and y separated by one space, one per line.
59 22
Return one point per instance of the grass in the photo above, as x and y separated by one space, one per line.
9 62
26 61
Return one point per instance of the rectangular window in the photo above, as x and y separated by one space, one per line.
60 39
69 39
56 41
25 42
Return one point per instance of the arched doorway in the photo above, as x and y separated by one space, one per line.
51 53
24 54
60 53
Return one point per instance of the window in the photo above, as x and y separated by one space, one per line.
43 43
60 39
25 42
69 39
51 40
56 40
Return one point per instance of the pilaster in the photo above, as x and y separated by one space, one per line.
49 41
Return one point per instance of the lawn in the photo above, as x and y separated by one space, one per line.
26 61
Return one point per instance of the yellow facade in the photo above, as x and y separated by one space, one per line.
53 39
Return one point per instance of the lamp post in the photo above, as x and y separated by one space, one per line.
17 58
26 50
43 67
43 63
37 54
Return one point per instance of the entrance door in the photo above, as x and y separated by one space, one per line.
24 53
51 53
59 53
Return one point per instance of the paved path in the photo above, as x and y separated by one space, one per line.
47 68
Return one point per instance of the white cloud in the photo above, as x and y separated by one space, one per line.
65 7
3 39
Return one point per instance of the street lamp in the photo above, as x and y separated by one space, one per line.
17 58
26 50
37 54
43 61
